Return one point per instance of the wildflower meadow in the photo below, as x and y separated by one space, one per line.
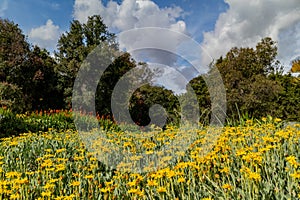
256 159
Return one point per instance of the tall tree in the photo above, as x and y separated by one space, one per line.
28 68
39 81
246 73
75 45
14 50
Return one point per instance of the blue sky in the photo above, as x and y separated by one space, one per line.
199 16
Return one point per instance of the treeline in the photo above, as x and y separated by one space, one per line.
31 79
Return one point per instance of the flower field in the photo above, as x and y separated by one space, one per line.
254 160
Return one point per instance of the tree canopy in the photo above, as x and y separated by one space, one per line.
253 77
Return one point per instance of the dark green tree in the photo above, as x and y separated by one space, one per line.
246 74
147 96
14 51
28 68
39 81
73 48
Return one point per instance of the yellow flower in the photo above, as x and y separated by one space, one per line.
152 183
255 176
13 143
133 191
60 167
161 190
170 174
93 159
49 186
53 180
15 196
60 150
292 161
46 194
225 170
75 183
77 158
181 180
89 176
132 183
105 190
70 197
135 158
47 163
149 152
295 175
227 186
277 120
109 183
22 181
12 174
48 150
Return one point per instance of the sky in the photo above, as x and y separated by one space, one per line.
217 25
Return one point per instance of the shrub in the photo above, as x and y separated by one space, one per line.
11 97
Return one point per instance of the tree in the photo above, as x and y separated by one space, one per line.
14 50
287 103
73 48
245 72
39 81
11 97
247 75
28 68
147 96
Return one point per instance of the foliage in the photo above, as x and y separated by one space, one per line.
11 97
253 78
146 97
13 51
16 124
75 45
286 104
30 69
39 121
10 124
246 73
39 81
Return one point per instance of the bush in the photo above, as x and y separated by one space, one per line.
10 124
11 97
15 124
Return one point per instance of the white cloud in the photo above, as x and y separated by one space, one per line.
129 14
244 24
3 7
45 36
83 9
134 14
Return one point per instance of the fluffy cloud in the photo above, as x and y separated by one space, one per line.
45 36
139 14
132 14
129 14
3 7
244 24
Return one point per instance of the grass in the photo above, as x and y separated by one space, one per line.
255 160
